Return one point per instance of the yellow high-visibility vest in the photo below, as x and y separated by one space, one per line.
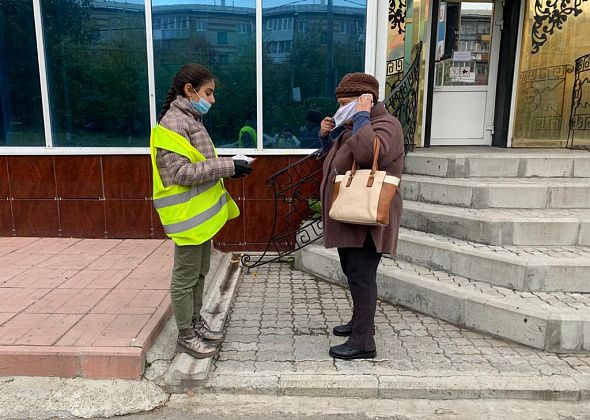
189 215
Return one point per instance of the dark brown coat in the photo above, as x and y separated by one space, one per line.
339 159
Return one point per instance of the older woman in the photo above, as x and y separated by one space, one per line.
360 247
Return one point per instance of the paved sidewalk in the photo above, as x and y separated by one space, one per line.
72 307
279 332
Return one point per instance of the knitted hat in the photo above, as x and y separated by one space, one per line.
355 84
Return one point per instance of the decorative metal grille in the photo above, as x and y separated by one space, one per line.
402 102
550 15
580 112
297 187
540 106
397 15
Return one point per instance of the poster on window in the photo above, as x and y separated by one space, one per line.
441 31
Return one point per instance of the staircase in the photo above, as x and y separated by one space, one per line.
497 240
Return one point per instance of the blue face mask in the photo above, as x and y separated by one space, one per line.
202 106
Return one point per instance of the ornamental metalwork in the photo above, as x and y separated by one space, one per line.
397 15
296 192
297 220
540 106
550 15
402 102
580 111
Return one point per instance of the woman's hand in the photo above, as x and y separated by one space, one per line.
364 103
326 126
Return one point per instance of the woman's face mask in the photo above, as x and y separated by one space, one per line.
203 106
345 113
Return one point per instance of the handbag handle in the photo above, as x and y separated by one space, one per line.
373 167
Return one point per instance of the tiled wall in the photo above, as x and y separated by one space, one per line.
110 197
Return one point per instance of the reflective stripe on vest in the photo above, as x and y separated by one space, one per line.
189 215
183 197
197 220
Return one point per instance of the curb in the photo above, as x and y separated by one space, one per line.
443 386
185 371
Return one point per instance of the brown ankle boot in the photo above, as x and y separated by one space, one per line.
202 330
191 343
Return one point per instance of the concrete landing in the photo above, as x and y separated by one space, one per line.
81 307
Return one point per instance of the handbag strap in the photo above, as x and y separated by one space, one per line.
373 166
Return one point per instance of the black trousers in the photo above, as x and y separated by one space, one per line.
360 267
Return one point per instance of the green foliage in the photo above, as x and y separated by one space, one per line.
315 206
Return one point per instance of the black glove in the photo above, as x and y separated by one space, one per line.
241 168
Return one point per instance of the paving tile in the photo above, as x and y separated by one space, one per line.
5 316
154 281
131 301
92 247
51 246
11 244
39 278
74 262
48 330
47 292
128 254
68 301
95 279
407 341
17 300
87 332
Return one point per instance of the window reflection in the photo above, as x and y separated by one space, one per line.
97 72
308 47
463 44
220 36
21 119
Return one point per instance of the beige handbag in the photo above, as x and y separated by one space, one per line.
363 196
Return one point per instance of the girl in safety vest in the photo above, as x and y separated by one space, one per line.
190 198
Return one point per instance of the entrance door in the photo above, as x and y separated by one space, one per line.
465 70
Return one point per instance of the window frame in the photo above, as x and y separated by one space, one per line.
371 41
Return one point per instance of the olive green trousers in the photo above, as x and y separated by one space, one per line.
191 265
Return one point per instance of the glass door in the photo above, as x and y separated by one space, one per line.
466 62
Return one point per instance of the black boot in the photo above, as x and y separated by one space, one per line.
346 352
342 330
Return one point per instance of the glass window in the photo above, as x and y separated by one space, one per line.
301 68
553 88
201 25
232 59
243 28
222 38
97 72
21 115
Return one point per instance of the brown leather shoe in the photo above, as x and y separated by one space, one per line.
202 330
191 343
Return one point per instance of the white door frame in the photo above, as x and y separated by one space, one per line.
488 129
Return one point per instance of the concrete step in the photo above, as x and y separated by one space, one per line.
547 269
500 226
556 322
479 193
467 162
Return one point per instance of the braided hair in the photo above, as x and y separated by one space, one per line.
192 73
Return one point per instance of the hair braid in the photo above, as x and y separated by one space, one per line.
192 73
171 96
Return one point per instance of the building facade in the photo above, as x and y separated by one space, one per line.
81 83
